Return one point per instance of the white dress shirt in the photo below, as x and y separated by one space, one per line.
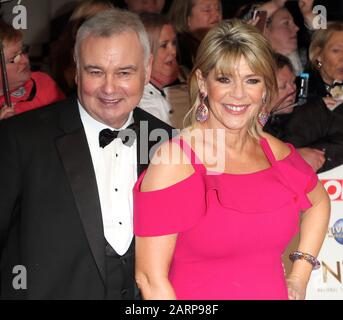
115 169
155 103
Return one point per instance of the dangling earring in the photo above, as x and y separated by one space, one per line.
319 64
262 118
201 113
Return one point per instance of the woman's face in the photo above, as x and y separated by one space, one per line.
234 99
17 64
164 63
331 58
282 32
205 14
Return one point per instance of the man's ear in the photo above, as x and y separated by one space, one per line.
201 81
148 70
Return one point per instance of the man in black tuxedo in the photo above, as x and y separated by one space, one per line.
65 189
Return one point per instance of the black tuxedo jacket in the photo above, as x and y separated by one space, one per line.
50 216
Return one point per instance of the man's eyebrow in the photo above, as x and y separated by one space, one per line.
128 67
90 66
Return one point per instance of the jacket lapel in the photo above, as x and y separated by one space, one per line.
143 147
75 156
147 140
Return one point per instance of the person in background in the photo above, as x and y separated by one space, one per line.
28 90
299 13
284 102
192 19
149 6
281 31
326 71
285 116
166 95
67 172
205 229
62 60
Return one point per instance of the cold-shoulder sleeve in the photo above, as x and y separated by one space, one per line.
301 176
170 210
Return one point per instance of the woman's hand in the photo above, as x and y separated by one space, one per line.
305 7
6 112
331 103
253 21
296 287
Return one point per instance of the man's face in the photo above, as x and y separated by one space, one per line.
150 6
17 65
111 75
286 89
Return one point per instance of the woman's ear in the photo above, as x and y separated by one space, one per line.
201 81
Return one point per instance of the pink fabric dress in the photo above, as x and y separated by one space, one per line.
232 228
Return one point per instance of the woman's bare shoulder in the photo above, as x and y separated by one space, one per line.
168 166
280 149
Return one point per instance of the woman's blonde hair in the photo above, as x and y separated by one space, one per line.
221 50
320 39
153 24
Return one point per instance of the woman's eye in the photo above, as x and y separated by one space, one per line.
253 81
223 79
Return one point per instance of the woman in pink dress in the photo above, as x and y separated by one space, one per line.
218 205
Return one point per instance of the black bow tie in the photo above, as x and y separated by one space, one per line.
331 86
337 84
128 135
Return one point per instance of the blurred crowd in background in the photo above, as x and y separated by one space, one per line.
308 111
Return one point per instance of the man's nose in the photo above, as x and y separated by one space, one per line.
109 86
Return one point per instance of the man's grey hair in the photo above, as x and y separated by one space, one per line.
112 22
